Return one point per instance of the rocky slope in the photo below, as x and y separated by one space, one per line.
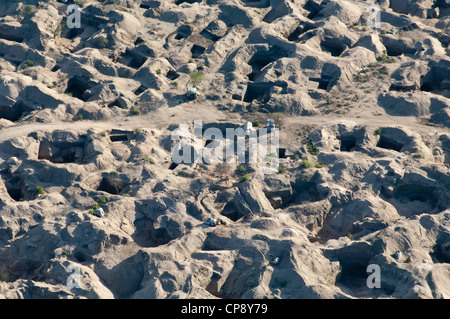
86 117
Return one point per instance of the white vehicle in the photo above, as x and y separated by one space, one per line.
192 93
270 123
248 126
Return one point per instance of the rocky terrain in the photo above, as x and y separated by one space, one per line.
87 114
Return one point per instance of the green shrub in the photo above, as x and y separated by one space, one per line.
242 170
196 77
102 42
103 134
350 236
418 155
158 71
135 111
78 117
95 207
306 164
40 190
149 160
329 101
319 165
378 131
29 63
385 59
256 123
282 169
312 148
27 9
244 178
102 200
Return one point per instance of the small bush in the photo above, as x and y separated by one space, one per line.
312 148
102 200
40 190
95 207
78 117
306 164
149 160
135 111
158 71
27 9
385 59
319 165
282 169
378 131
350 236
256 123
29 63
242 170
103 134
418 155
196 77
244 178
102 42
329 101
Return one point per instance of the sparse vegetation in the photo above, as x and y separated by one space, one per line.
102 200
244 178
102 42
40 190
241 170
28 9
312 148
418 155
282 169
158 71
135 111
329 101
378 131
103 134
350 236
385 58
78 117
319 164
256 123
306 164
149 160
29 63
196 77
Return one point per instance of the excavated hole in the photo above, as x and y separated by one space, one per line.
257 91
172 75
409 193
15 112
432 81
120 136
256 3
140 90
183 32
262 58
147 236
77 86
74 32
178 2
335 49
132 59
62 152
209 36
313 8
347 143
112 184
302 28
231 212
390 144
16 188
197 51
